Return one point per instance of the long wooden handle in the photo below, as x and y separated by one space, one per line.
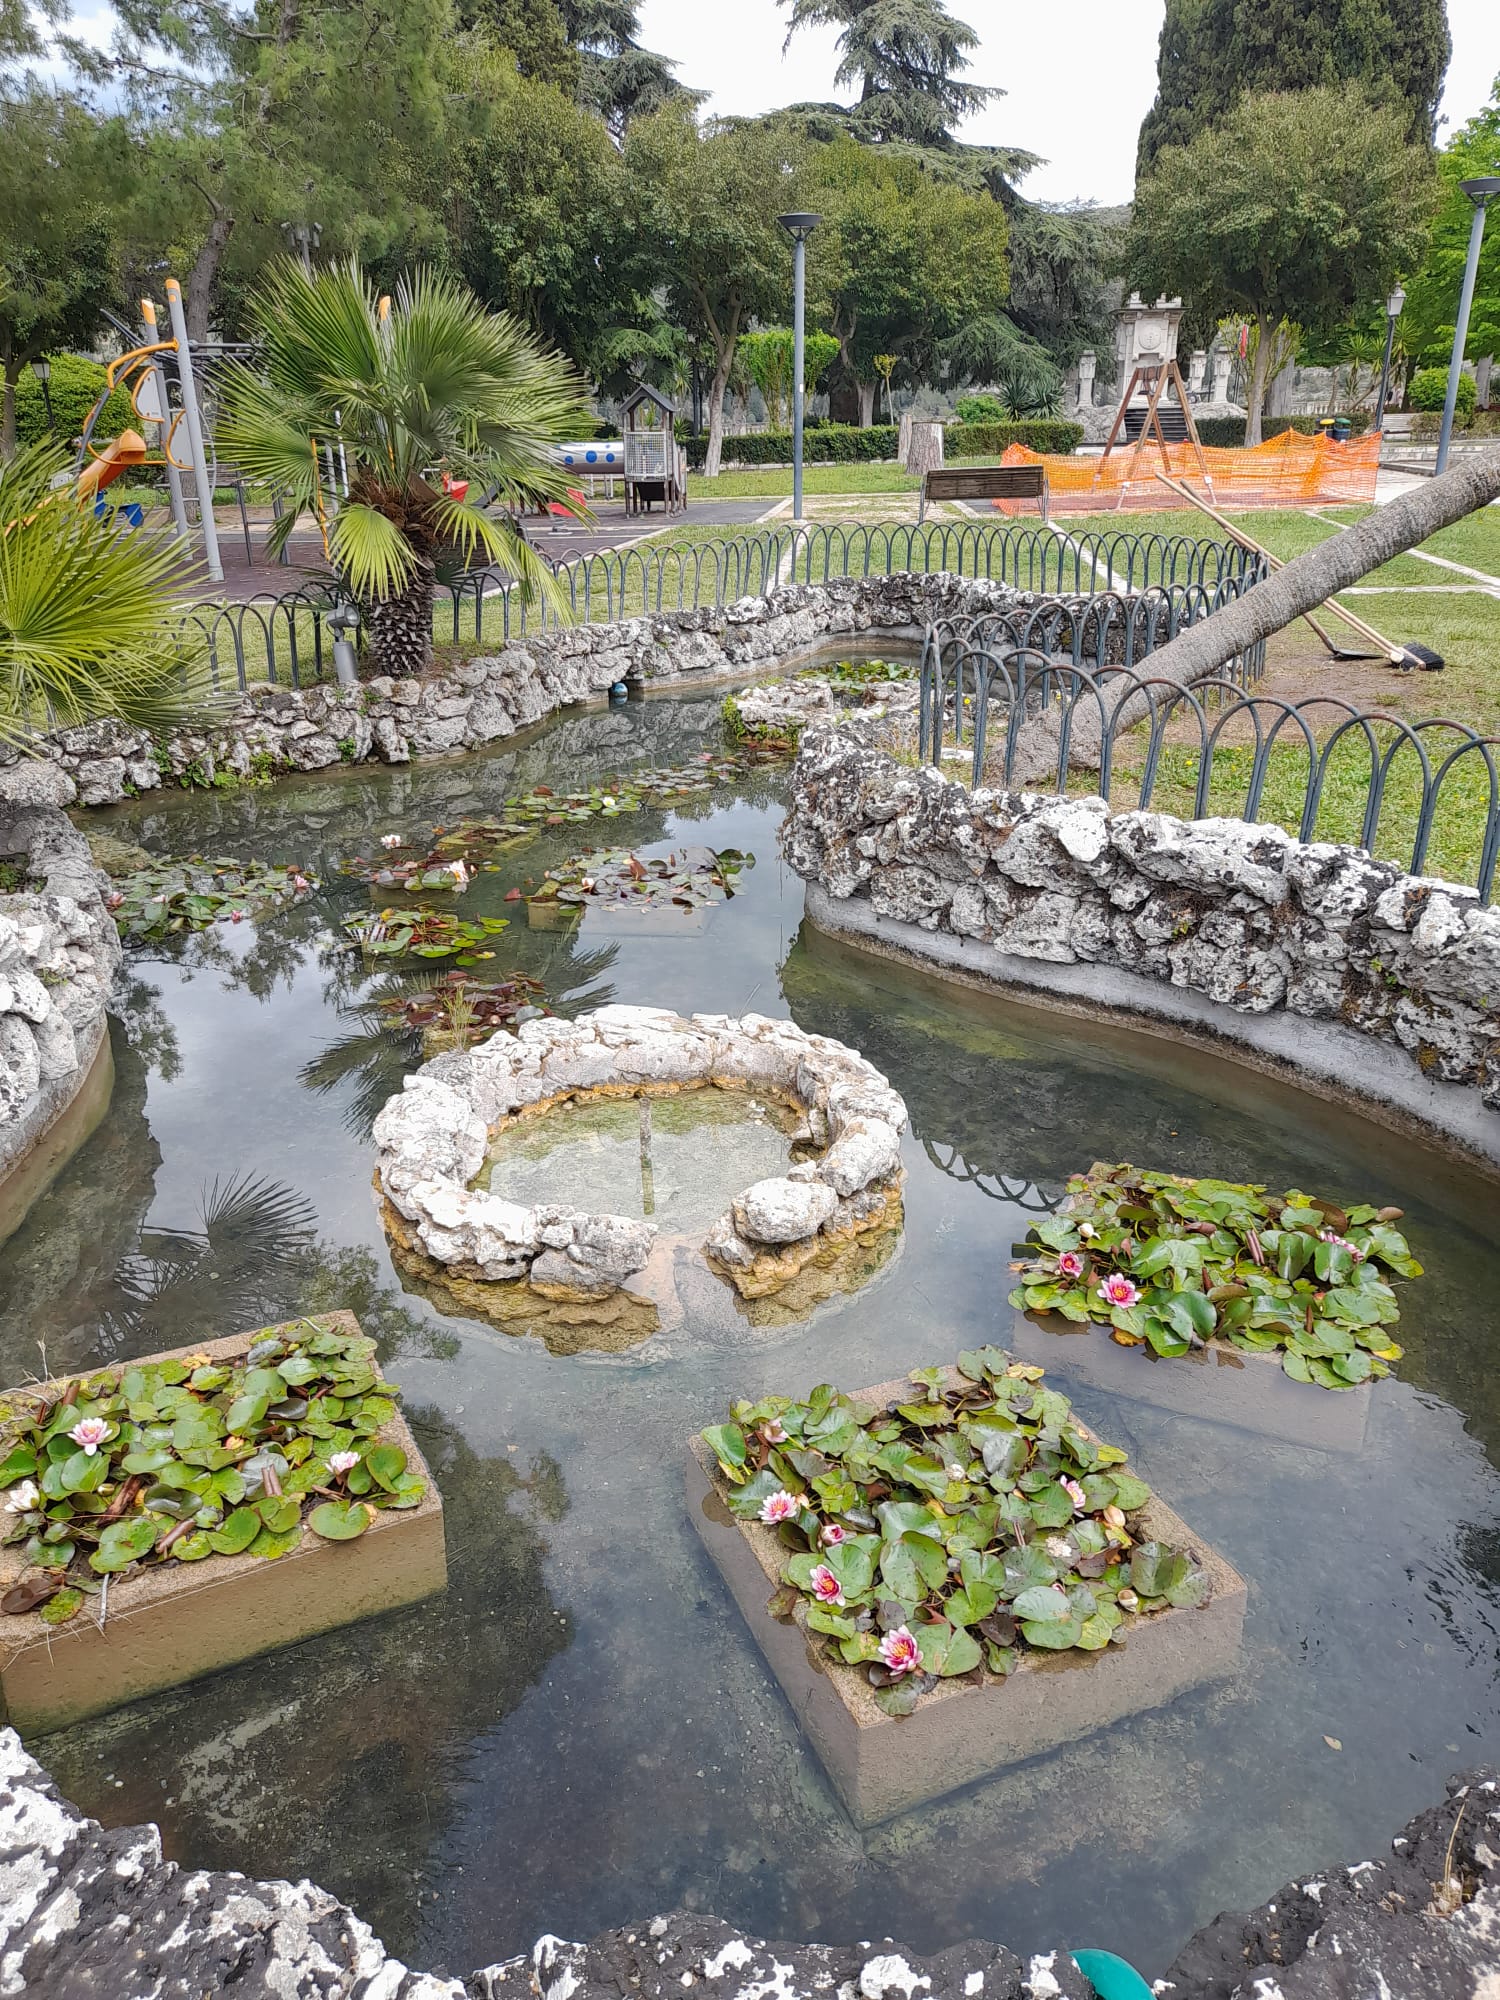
1392 652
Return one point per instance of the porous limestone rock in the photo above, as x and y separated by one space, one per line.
433 1137
1255 921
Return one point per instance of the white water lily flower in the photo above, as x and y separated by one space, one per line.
24 1499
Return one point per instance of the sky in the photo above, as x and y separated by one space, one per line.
1079 74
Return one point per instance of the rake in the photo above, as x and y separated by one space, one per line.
1403 657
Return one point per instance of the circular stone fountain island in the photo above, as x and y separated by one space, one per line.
463 1146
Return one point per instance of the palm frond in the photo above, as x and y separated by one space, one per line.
370 550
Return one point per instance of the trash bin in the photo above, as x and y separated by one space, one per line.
1337 429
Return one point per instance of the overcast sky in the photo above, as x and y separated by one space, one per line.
1079 74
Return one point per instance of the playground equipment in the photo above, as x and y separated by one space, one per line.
142 369
655 463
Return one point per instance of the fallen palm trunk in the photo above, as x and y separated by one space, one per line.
1205 649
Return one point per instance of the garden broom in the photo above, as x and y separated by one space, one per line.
1402 657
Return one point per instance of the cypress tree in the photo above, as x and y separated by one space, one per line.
1213 52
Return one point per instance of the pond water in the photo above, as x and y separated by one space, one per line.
581 1732
678 1161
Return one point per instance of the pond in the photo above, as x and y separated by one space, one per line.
581 1732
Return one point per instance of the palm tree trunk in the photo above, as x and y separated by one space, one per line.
1310 580
400 626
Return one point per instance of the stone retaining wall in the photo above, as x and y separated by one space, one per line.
59 950
1223 927
90 1914
489 698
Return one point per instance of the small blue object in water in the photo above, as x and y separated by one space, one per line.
619 692
1111 1977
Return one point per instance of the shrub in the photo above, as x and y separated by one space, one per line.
1048 434
982 410
76 385
1429 391
829 444
1228 433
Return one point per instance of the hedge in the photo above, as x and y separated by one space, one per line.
1049 434
76 385
1481 423
1229 432
844 444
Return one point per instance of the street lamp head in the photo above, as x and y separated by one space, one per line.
1483 190
42 368
1395 302
800 227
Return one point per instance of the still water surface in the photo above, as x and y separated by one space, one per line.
581 1732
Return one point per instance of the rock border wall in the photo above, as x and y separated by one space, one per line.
1309 958
433 1135
271 730
89 1914
59 952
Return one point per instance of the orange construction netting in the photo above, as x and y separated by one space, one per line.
1286 471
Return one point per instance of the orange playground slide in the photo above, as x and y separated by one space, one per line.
128 449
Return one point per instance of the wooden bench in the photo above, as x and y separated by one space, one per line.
985 482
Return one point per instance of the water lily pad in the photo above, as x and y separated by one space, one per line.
339 1521
123 1543
66 1604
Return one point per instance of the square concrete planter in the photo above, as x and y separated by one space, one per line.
1217 1384
962 1731
170 1625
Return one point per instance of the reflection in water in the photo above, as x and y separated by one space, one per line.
583 1729
304 1742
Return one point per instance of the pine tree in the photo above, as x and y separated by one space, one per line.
620 79
1213 52
905 56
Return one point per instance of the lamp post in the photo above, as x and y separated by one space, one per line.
799 228
304 237
1481 192
1393 307
42 369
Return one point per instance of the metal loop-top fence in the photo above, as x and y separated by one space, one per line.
1425 794
282 638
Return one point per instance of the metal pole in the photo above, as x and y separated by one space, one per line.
1461 335
152 335
1385 370
211 558
799 342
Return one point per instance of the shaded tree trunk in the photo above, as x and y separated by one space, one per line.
1203 650
204 277
1483 368
724 344
1260 369
400 626
8 414
867 404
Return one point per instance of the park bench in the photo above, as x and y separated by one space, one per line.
985 482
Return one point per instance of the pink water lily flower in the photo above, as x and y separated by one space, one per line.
1069 1264
780 1506
773 1431
826 1586
1117 1290
390 840
1074 1492
831 1534
89 1433
900 1652
343 1461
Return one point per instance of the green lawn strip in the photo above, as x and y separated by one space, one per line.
1475 541
1459 822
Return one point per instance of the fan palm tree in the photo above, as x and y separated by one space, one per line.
404 392
89 626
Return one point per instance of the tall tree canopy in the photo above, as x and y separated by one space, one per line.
1297 207
906 57
904 260
1213 52
620 79
1432 295
59 267
704 208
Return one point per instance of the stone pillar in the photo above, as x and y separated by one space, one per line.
1223 361
1482 372
1088 364
1197 371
